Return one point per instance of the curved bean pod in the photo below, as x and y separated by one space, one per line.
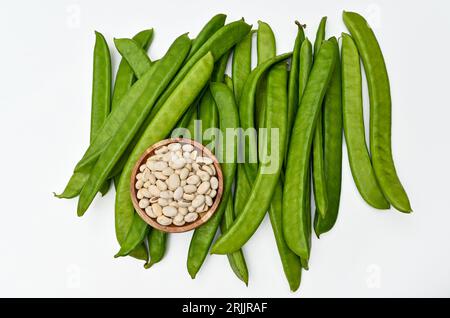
269 171
241 65
247 111
211 27
291 262
332 147
352 102
157 242
159 128
135 55
318 165
135 236
125 76
296 217
236 259
204 235
380 111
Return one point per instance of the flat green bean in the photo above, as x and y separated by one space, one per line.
318 165
206 32
352 103
241 64
380 111
296 216
269 170
136 235
332 147
204 235
135 55
157 242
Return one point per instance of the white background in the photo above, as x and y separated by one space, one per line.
45 80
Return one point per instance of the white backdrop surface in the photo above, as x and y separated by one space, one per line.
46 65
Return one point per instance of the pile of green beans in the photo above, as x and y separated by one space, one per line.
296 108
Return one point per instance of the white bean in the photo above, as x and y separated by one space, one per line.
170 211
198 201
154 191
204 176
193 179
159 175
166 195
182 211
188 147
184 204
190 188
189 196
178 194
149 212
173 182
163 202
178 163
203 187
213 193
174 146
142 168
191 217
143 203
184 173
157 210
139 184
208 200
167 171
214 183
161 150
162 186
164 220
178 220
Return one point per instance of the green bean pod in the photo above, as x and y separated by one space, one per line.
135 55
293 90
218 44
211 27
101 90
266 49
207 113
159 128
236 259
157 242
296 216
306 62
269 170
241 65
352 103
380 110
125 76
247 111
228 81
136 235
204 235
291 262
332 147
318 165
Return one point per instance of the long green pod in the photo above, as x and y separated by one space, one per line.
218 44
101 90
204 235
269 170
125 76
293 88
380 110
211 27
236 259
318 165
157 242
266 49
241 65
136 235
290 261
332 147
354 131
247 112
296 216
159 128
164 71
306 62
208 114
135 55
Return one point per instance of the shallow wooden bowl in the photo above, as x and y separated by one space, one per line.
203 217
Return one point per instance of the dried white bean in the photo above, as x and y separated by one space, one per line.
139 184
157 210
164 220
178 163
190 188
161 150
154 191
184 173
174 146
189 196
162 186
214 183
173 182
191 217
213 193
204 176
178 194
191 209
208 200
208 169
163 202
198 201
139 176
182 211
193 179
188 147
139 194
143 203
200 208
178 220
169 211
159 175
167 171
149 212
142 168
203 187
166 195
184 204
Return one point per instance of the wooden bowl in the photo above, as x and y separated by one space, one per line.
203 217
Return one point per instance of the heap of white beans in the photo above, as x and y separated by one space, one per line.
175 185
